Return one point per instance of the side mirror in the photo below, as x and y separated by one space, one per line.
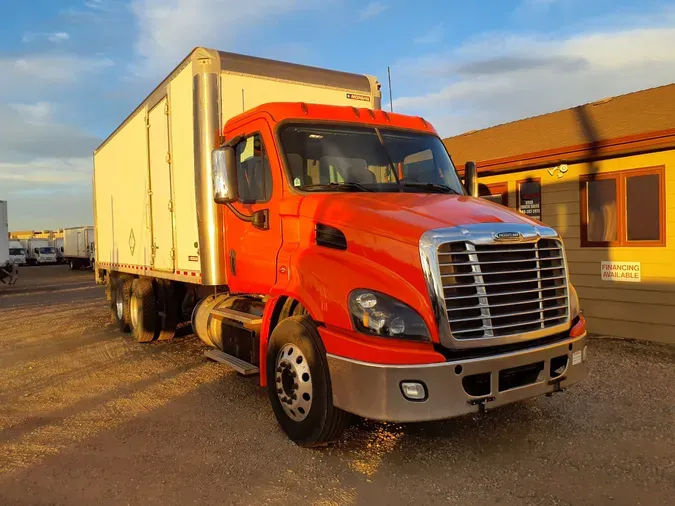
224 174
471 178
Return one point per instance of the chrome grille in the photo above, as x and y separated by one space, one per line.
499 290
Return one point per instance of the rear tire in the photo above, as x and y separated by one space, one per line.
143 310
297 371
168 311
120 295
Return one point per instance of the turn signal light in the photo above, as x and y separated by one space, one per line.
580 328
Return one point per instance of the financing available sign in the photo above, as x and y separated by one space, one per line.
621 271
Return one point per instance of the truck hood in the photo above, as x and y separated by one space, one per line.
404 216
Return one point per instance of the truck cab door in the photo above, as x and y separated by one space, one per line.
251 250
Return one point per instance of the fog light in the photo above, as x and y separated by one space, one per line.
413 390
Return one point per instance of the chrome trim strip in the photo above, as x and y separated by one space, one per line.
484 234
206 103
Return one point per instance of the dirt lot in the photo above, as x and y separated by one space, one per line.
89 417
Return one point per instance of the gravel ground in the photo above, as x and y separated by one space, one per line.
89 417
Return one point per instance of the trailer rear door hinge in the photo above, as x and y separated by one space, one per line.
168 157
147 121
172 254
166 108
170 206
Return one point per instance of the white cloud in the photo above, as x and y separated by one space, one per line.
45 167
98 5
58 36
433 36
55 37
47 171
170 29
47 69
373 9
499 79
38 112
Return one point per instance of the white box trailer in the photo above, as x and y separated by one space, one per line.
8 269
58 246
153 204
78 246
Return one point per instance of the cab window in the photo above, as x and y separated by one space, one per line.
253 171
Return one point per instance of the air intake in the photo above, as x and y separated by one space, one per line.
330 237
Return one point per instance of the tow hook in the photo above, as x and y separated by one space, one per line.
556 383
481 403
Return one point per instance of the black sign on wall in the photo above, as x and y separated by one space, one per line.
529 198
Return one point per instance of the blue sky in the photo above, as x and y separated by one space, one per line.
71 70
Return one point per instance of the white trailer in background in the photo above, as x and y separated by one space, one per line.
58 246
39 251
78 247
8 270
17 253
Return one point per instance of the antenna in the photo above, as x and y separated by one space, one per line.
391 102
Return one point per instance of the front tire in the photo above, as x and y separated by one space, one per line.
298 384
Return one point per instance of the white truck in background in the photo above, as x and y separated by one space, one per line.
78 247
58 246
9 272
17 253
39 251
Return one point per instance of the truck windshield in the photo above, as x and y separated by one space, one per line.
339 158
46 251
16 251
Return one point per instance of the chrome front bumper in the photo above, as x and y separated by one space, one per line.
374 390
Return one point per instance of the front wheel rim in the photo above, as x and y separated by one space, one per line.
293 382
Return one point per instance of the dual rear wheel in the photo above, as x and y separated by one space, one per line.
144 307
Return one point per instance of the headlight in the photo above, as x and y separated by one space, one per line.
381 315
575 308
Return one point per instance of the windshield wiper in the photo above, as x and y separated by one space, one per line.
338 186
432 186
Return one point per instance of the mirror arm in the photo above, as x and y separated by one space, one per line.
243 217
260 219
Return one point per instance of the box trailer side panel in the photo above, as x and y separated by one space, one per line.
183 167
161 201
90 234
4 233
122 196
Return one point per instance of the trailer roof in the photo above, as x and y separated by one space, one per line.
252 65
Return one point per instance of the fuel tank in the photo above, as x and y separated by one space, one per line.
230 323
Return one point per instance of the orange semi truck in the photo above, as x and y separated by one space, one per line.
329 247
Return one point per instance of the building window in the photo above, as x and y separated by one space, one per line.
496 192
623 208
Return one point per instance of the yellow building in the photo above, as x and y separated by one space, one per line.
36 234
603 175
